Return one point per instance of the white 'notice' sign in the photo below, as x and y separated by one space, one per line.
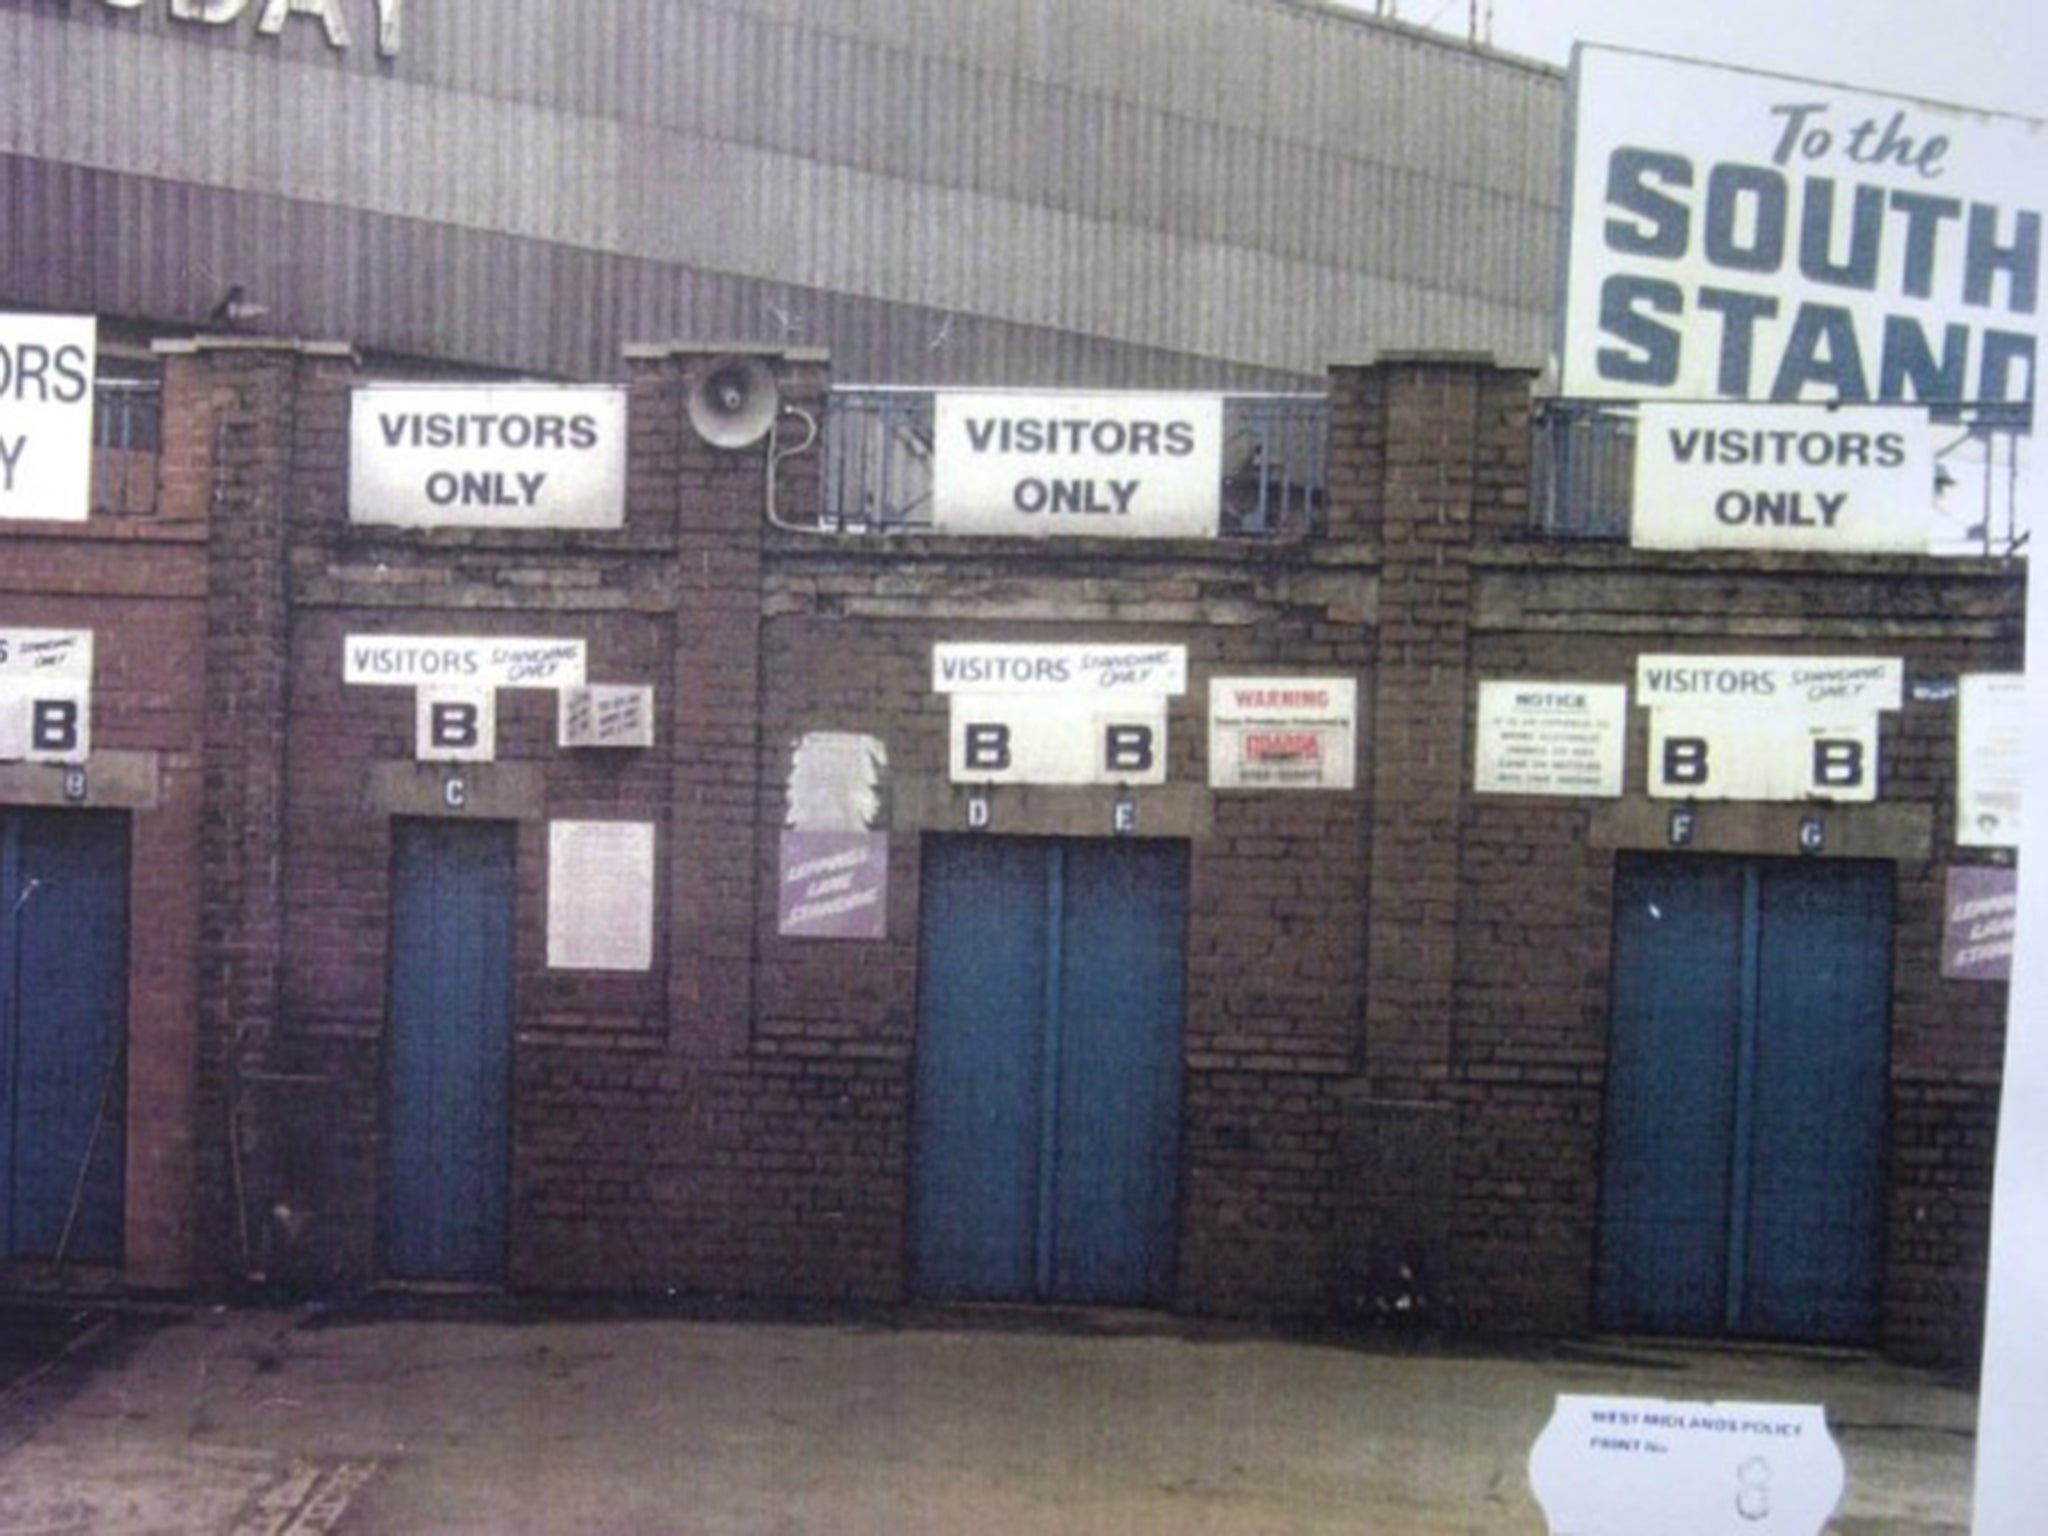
1122 466
1636 1466
1551 738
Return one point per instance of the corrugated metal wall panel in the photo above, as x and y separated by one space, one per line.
1248 180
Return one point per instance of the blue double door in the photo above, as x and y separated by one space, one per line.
1743 1182
63 1033
448 1076
1047 1123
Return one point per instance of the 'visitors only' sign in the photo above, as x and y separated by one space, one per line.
46 374
503 456
1842 480
1117 466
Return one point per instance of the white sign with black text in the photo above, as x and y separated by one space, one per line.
1629 1466
45 695
1283 733
1551 738
1773 728
1119 466
1077 670
408 661
1049 739
1744 236
455 724
493 456
600 895
1058 714
1840 480
605 715
1991 719
47 364
456 678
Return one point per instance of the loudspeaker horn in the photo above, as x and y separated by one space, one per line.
733 402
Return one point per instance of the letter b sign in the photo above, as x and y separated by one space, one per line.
56 730
1685 761
1837 764
456 725
1127 751
1758 757
985 747
45 727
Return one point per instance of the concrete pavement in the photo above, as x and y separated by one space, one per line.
496 1420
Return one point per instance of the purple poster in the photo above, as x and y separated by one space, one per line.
1977 926
835 885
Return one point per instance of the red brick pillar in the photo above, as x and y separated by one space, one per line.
1426 452
1430 413
241 414
717 496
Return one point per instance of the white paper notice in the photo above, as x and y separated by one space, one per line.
600 895
1538 738
1631 1466
1991 717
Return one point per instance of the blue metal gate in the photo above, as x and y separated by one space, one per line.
1743 1180
1052 993
449 1078
63 1033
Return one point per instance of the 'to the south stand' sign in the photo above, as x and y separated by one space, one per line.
1743 236
1046 465
503 456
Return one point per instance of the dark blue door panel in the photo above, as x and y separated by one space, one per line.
1670 1098
1742 1185
1048 1079
63 1030
1816 1211
1116 1147
450 1054
982 997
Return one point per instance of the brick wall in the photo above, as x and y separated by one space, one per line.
1396 1031
1536 893
139 584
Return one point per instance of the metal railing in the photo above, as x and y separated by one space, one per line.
127 446
1584 471
1584 466
878 462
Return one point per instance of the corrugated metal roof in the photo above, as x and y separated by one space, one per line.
937 190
